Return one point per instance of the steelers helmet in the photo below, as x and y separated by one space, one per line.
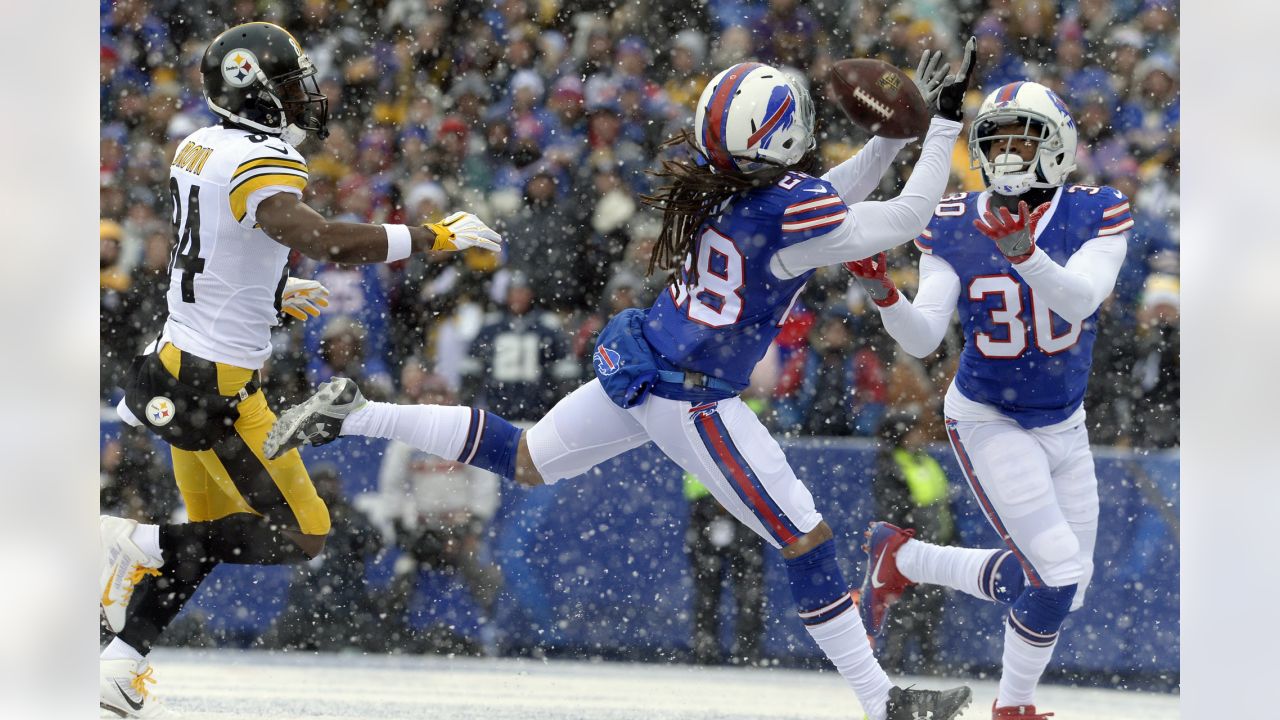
257 77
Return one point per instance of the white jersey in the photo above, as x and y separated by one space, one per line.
226 274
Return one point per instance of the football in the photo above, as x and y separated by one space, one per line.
879 98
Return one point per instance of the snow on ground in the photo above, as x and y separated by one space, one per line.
223 684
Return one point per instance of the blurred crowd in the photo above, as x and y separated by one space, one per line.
542 117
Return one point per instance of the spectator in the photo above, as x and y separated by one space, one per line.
115 329
721 551
1156 368
841 388
440 510
329 605
911 491
519 358
343 354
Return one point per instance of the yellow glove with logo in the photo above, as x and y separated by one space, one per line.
462 230
303 298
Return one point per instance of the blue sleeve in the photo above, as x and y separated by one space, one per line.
809 209
1114 214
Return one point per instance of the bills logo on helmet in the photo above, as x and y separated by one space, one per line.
239 67
1062 107
608 362
160 410
778 114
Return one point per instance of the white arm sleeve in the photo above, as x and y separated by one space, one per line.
856 177
1075 291
920 326
872 227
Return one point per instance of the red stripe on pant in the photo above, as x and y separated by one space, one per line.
987 508
744 483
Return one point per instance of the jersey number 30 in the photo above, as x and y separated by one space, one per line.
1009 315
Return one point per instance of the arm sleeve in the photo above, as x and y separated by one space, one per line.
1075 291
920 326
872 227
856 177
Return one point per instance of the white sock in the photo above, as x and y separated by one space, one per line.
117 649
844 640
437 429
147 538
1023 665
954 567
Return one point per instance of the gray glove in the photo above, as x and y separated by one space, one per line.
929 76
951 94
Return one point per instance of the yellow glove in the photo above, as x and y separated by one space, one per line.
462 230
303 298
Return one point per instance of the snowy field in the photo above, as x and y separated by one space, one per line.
208 685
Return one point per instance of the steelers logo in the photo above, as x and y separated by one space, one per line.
239 67
160 410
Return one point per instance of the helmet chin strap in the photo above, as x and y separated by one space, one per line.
293 134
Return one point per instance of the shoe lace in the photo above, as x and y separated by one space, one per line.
140 680
134 577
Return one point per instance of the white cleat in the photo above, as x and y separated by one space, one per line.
124 564
316 420
122 685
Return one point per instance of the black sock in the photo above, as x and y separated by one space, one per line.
191 551
240 539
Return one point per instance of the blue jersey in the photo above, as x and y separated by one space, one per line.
721 323
1019 356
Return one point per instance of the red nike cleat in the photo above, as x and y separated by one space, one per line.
1017 712
882 584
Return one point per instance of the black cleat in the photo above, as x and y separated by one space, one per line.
317 420
912 704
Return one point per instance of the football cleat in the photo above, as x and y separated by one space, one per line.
124 564
912 704
122 686
317 420
1017 712
882 584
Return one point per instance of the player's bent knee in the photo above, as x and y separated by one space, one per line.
809 541
311 545
1055 554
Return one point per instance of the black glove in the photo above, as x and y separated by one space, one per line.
951 96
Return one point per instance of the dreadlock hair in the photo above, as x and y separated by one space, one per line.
694 192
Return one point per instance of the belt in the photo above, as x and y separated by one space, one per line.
204 374
695 380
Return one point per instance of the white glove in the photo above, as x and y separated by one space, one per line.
303 297
462 230
929 76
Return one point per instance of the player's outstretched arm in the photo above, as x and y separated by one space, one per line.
292 223
855 178
920 326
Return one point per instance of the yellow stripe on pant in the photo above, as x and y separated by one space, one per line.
234 476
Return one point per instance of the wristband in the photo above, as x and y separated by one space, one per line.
399 242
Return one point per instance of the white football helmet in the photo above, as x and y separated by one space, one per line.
1045 121
753 116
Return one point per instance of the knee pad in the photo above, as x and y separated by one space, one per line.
1037 614
818 586
1055 556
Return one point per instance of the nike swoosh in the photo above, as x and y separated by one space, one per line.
814 190
106 591
125 695
282 151
875 574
